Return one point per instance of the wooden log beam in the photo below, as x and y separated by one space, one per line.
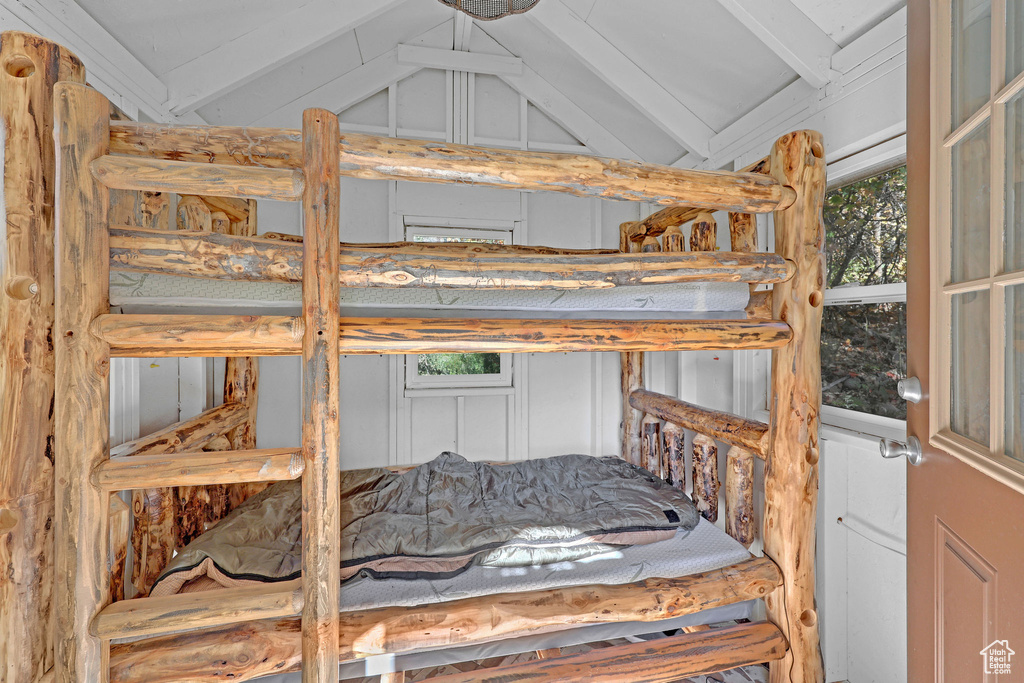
463 247
739 495
721 426
167 614
655 661
161 336
650 445
82 390
674 462
660 221
372 157
791 473
191 178
33 65
186 435
321 436
246 651
226 257
705 476
199 468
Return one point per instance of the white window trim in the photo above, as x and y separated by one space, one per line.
752 369
428 384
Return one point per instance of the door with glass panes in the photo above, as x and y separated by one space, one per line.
965 294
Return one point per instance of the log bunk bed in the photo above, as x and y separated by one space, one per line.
105 165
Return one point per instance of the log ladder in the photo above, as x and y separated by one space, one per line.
96 156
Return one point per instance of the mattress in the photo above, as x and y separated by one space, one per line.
135 291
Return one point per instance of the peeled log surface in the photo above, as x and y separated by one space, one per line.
632 379
199 468
183 177
246 651
650 445
704 233
465 247
743 232
674 455
791 473
193 215
663 660
760 304
739 495
721 426
227 257
119 530
26 349
376 158
188 434
659 221
673 240
161 336
705 477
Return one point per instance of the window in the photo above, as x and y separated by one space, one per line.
457 370
864 323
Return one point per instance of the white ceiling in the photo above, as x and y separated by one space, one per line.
661 76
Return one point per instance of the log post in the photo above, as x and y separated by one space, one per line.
650 445
704 233
673 240
321 480
632 363
674 455
739 495
650 244
743 232
194 214
82 406
120 529
791 470
705 476
30 67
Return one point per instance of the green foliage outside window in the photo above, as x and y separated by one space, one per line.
459 364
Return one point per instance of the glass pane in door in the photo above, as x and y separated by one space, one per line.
1014 225
969 381
972 61
970 225
1015 372
1014 39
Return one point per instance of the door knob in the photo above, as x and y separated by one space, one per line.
909 389
891 448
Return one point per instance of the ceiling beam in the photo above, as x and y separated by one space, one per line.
249 56
110 68
622 74
434 58
463 31
790 34
563 111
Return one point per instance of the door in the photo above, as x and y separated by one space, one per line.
965 519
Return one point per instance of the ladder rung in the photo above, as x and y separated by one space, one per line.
186 177
199 468
656 661
205 609
161 336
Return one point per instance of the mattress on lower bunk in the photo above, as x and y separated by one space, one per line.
131 290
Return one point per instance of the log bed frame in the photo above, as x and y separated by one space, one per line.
111 178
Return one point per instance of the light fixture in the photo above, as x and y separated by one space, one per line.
490 9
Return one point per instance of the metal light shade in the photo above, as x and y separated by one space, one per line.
490 9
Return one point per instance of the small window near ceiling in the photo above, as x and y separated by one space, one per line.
864 323
457 370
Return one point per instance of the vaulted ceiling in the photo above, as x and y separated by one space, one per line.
661 80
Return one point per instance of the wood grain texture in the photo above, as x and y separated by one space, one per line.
719 425
674 455
246 651
760 305
120 526
463 247
743 232
166 614
145 209
705 476
26 349
672 240
660 221
188 178
186 435
224 257
193 214
791 471
650 445
82 394
158 336
199 468
321 437
704 233
739 495
372 157
655 661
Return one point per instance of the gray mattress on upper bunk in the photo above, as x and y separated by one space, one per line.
139 291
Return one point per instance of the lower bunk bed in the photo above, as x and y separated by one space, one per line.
454 561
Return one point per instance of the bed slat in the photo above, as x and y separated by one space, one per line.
189 178
657 661
199 468
158 336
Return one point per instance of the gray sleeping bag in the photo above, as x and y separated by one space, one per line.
436 519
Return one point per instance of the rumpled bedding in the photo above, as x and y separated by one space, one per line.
439 518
